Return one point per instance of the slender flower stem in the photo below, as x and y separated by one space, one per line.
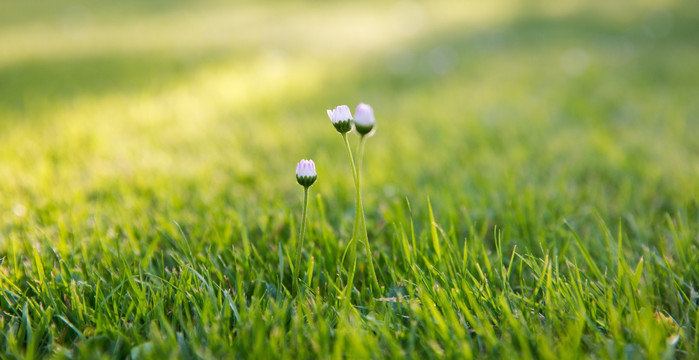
372 272
360 156
302 234
359 228
353 245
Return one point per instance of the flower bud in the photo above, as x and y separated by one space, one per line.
364 119
306 172
341 118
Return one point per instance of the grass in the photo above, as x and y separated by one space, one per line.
531 191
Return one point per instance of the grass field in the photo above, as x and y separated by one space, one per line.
532 190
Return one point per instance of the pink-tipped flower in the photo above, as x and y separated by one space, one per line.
364 119
306 172
341 118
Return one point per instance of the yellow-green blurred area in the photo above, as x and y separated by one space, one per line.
140 113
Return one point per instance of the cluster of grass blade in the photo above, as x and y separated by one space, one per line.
514 210
444 296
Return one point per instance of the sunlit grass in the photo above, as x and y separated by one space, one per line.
531 191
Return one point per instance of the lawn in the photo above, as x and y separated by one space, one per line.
531 191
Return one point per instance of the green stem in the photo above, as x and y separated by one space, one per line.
302 234
359 231
355 228
372 271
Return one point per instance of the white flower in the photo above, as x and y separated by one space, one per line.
364 118
306 168
306 172
341 118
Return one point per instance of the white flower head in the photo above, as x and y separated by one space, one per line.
306 172
364 119
341 118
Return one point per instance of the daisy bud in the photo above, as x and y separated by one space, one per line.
306 172
341 118
364 119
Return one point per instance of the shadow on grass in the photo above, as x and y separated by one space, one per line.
39 84
13 13
430 60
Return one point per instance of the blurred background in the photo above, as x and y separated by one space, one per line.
132 114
